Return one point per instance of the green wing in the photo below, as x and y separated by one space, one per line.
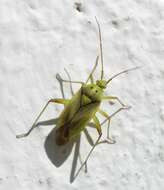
75 117
70 110
81 118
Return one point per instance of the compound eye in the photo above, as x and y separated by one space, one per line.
91 87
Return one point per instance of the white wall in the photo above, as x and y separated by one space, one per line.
39 39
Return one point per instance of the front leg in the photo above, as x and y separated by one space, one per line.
69 77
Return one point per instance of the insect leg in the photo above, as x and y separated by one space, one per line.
60 101
91 74
88 137
109 119
91 79
98 127
81 162
115 98
103 113
69 77
70 81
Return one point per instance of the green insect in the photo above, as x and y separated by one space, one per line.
82 107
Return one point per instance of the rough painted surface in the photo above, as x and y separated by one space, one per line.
39 39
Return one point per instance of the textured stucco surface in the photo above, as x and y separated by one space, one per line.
39 39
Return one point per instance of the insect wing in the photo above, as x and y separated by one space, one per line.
82 118
70 109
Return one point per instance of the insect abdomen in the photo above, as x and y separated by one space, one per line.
62 136
61 140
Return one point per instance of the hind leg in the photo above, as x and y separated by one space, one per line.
59 101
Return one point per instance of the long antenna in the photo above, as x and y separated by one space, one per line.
101 53
125 71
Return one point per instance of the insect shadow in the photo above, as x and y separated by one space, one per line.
59 154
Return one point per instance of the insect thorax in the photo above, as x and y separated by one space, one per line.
91 93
